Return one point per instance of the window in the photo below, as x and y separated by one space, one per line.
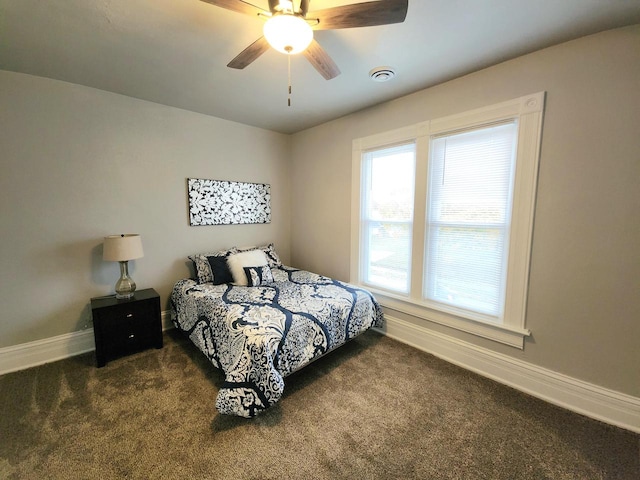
443 215
468 214
387 217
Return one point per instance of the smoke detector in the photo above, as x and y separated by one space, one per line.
382 74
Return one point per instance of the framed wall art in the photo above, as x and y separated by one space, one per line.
220 202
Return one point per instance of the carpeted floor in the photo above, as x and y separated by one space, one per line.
374 409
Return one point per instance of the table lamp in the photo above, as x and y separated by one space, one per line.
122 248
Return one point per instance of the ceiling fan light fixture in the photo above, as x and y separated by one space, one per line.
288 33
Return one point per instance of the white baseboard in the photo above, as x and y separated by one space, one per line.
576 395
26 355
30 354
166 320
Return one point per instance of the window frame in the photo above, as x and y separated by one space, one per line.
528 112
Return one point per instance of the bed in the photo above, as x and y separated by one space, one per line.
265 323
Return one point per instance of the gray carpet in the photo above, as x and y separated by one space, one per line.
374 409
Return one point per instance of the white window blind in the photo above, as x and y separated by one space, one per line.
470 188
387 217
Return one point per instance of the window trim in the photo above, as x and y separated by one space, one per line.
528 111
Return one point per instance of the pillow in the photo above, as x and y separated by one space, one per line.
203 267
272 256
220 270
237 262
257 276
269 251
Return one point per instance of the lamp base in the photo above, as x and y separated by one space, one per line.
124 296
125 287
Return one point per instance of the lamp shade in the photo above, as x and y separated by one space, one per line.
288 33
120 248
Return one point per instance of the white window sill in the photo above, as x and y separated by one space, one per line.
505 334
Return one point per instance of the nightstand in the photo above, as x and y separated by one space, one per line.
121 327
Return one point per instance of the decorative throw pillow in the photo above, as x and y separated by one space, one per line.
202 265
269 251
220 270
257 276
272 256
237 262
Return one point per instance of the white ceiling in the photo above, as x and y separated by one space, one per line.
175 52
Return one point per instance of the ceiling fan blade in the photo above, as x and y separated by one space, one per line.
367 14
304 7
321 60
238 6
249 54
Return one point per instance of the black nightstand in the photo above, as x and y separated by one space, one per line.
121 327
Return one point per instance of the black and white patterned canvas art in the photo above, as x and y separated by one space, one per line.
218 202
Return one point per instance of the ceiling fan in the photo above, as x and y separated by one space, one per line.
289 28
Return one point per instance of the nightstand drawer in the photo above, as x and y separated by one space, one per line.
134 316
128 329
126 326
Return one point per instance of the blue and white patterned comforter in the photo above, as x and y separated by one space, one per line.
259 335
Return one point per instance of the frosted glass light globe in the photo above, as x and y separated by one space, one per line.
288 33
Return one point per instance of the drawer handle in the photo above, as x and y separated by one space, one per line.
129 315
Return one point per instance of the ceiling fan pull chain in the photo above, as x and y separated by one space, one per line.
289 76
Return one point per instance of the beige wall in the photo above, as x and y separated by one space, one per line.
78 164
584 300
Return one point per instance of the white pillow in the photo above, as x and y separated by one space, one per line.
237 262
